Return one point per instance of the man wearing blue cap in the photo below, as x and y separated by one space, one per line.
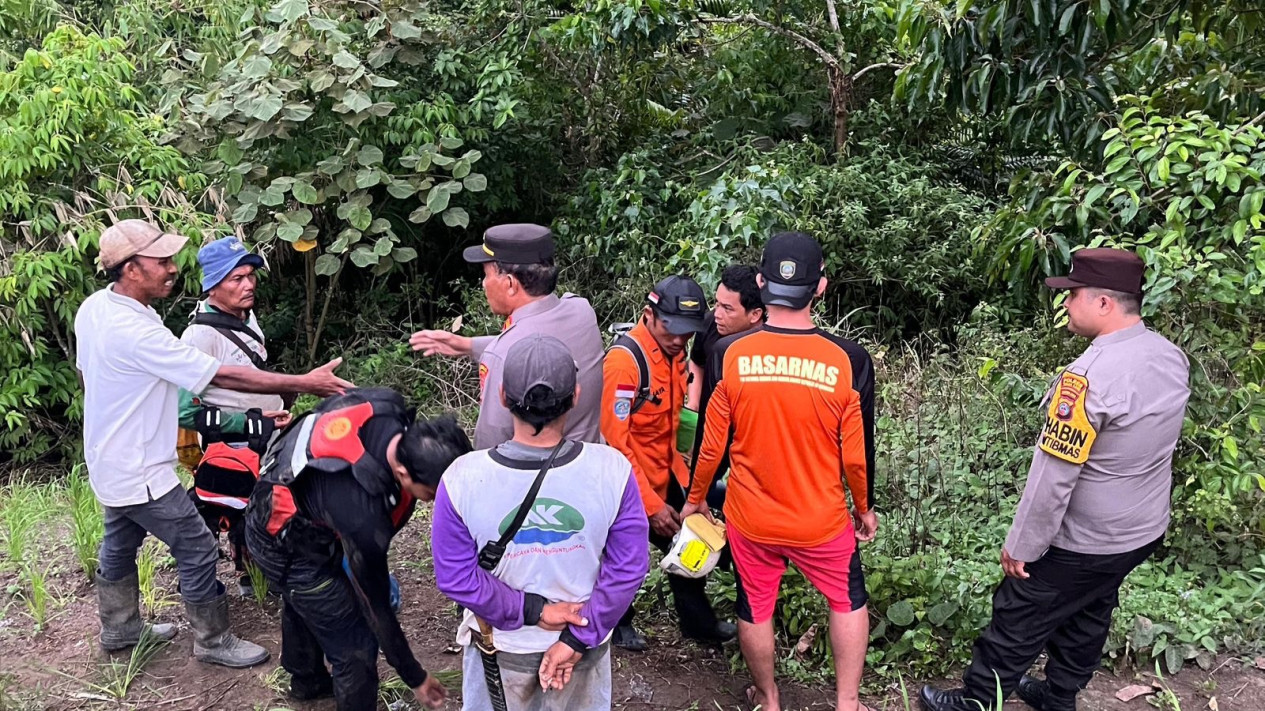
225 328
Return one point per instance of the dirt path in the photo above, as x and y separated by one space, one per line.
62 668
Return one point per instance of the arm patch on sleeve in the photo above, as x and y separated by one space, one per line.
1067 433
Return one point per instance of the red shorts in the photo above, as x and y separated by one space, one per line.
833 567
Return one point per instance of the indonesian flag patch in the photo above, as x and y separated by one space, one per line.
624 395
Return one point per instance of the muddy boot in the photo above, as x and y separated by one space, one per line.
213 643
118 603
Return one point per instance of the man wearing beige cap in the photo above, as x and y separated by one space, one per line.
132 370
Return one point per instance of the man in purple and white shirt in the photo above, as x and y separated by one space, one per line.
574 566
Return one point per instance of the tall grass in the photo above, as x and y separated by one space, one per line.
22 506
117 676
87 521
35 594
154 597
258 583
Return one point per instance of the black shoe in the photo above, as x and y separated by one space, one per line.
934 699
627 637
324 689
721 633
1038 694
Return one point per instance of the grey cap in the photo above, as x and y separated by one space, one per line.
539 372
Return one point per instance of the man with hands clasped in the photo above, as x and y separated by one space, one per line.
543 541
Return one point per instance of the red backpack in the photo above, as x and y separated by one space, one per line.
226 474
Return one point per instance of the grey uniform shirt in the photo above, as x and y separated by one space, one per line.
571 320
1118 499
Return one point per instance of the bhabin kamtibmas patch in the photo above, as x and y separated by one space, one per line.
1067 433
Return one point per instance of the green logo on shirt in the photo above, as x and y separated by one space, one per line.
549 521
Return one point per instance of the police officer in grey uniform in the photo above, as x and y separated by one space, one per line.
1096 503
519 279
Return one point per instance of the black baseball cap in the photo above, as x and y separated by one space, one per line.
520 243
1102 267
540 372
680 303
791 267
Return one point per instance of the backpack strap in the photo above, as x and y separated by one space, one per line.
258 430
228 327
644 394
207 424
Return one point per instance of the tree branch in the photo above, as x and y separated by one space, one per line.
1257 119
881 65
831 61
834 15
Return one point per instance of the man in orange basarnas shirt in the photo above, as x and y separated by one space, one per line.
799 405
641 420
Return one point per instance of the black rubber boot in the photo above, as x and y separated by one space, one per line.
627 637
118 603
720 633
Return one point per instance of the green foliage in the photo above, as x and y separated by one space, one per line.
75 149
1187 194
306 145
896 239
1052 69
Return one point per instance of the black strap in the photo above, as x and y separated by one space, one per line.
207 424
492 551
634 349
228 327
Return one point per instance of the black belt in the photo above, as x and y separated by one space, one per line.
482 638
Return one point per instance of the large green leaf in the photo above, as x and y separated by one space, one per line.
357 101
363 256
261 107
456 217
305 193
327 265
289 231
369 156
437 199
289 10
901 613
360 217
345 60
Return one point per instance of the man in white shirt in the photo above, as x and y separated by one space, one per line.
132 368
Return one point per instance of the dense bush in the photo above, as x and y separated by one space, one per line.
896 237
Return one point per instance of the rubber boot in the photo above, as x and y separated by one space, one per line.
213 643
118 603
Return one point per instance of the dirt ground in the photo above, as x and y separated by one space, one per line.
62 668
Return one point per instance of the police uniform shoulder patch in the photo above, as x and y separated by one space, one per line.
1067 433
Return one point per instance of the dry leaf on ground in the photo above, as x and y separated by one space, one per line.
1129 693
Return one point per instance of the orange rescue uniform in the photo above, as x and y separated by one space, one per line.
647 437
801 406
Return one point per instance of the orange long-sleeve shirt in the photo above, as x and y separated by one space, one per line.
800 404
648 436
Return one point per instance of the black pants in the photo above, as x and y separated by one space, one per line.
1065 608
325 622
689 595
